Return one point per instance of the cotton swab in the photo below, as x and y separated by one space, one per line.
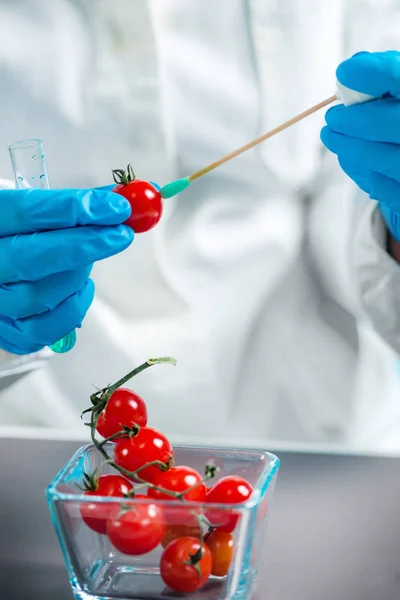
175 187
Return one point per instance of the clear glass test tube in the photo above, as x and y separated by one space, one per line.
29 164
30 171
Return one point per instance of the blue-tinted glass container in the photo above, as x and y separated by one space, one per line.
99 572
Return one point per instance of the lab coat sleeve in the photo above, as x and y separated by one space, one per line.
347 242
347 236
12 367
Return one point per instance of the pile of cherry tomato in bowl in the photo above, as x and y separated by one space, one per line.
196 543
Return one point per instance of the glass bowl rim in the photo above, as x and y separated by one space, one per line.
259 490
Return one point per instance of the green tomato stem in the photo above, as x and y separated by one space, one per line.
106 392
99 400
109 439
209 532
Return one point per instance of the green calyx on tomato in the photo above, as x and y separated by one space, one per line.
196 557
124 177
130 431
90 482
194 560
210 471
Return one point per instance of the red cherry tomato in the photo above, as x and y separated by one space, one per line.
123 408
179 479
145 201
173 532
177 568
148 445
96 515
228 490
136 529
221 547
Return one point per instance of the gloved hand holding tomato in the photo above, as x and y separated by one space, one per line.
49 240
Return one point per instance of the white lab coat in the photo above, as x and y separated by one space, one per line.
268 279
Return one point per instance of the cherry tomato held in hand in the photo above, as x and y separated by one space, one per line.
148 445
228 490
136 529
144 198
185 565
221 547
124 408
173 532
95 514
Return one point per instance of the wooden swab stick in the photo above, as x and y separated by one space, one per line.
175 187
262 138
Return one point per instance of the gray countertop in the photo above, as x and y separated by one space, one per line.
334 530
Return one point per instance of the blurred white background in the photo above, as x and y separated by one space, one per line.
250 280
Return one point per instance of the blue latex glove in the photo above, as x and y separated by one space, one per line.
366 137
49 240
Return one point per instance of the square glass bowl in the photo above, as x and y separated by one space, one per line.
99 572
